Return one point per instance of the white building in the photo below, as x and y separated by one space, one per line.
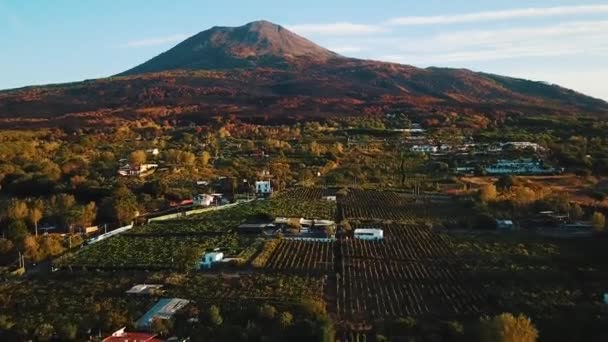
505 224
424 149
210 258
263 187
203 200
153 151
369 234
518 167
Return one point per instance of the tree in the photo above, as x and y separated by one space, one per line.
576 212
138 157
285 320
88 215
488 193
508 328
35 213
6 246
506 182
214 316
161 327
267 312
31 249
16 233
16 210
599 222
122 206
598 197
186 258
205 157
523 196
44 332
68 331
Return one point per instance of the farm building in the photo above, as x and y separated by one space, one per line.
137 170
263 187
519 167
424 149
369 234
204 200
164 309
121 335
209 259
153 151
145 289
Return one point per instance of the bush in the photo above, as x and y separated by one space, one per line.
599 222
508 328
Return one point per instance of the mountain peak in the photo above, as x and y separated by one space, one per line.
258 43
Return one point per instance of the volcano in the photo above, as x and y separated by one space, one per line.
263 70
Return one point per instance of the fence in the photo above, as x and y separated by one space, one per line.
108 234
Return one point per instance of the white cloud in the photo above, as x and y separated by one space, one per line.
585 81
574 38
521 13
156 41
337 29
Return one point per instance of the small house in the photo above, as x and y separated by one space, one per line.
369 234
164 309
505 225
145 289
204 200
210 258
121 335
263 187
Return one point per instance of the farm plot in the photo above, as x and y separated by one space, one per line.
302 257
150 252
252 287
375 205
411 272
401 242
302 202
221 221
370 290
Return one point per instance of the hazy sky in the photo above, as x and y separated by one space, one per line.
563 42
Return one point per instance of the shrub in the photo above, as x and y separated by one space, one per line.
508 328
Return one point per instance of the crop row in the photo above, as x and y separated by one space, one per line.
275 287
302 256
364 294
401 242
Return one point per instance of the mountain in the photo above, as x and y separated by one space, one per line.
262 70
257 44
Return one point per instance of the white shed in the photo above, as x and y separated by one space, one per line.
369 234
263 187
211 258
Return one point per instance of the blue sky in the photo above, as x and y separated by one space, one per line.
563 42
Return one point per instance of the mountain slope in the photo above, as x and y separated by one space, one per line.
263 70
257 44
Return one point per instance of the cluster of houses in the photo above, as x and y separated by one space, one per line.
291 226
512 167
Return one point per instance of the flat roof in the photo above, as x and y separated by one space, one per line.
367 230
165 308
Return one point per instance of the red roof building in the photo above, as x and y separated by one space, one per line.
122 336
